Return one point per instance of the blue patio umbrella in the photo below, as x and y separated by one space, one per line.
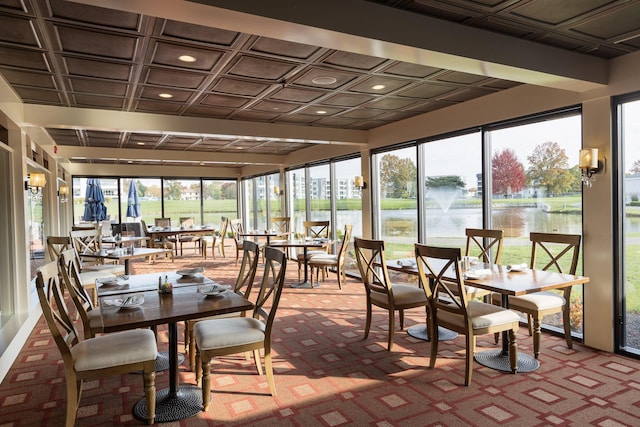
133 203
94 208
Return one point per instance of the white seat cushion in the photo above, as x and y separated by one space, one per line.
482 316
537 301
95 318
221 333
402 295
324 260
119 348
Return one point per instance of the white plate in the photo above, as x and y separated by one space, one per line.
107 281
473 276
128 301
517 268
213 290
191 271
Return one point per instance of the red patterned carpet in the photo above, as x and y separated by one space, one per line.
327 375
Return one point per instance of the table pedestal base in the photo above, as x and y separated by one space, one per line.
305 285
185 403
496 359
420 332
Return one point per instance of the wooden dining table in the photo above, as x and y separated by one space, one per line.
156 233
512 283
185 303
119 254
305 244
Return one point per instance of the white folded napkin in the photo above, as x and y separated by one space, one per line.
478 274
517 267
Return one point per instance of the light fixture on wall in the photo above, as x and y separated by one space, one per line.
63 192
359 183
589 165
277 191
35 182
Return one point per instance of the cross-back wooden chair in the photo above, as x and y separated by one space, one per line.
237 230
549 251
93 358
321 262
314 230
243 286
219 337
379 289
486 244
451 307
57 244
217 240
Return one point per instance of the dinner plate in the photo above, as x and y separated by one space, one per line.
521 267
191 271
128 301
109 281
213 290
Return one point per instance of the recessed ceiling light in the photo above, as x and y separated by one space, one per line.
187 58
140 143
321 112
129 161
378 87
324 80
165 95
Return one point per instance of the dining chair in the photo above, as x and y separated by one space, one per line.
243 286
486 245
237 230
282 226
89 315
94 358
322 262
379 289
451 307
57 244
217 240
90 241
187 223
219 337
313 230
163 243
549 251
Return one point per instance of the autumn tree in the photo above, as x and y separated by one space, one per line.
141 188
173 190
550 169
397 176
507 173
635 168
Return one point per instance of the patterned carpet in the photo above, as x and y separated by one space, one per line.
327 375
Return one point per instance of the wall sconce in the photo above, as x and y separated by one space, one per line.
35 182
277 191
358 182
63 192
589 165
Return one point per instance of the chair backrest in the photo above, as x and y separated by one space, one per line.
483 243
105 228
281 225
57 244
275 266
86 241
316 229
248 268
71 281
222 231
372 265
163 222
346 239
440 271
55 311
237 230
555 251
187 222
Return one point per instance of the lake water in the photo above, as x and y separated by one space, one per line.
516 222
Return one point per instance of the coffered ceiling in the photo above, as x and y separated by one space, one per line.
228 83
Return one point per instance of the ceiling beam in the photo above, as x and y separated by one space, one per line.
371 29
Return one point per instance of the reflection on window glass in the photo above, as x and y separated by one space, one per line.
630 137
453 189
297 198
536 187
348 206
182 200
398 220
275 195
320 195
